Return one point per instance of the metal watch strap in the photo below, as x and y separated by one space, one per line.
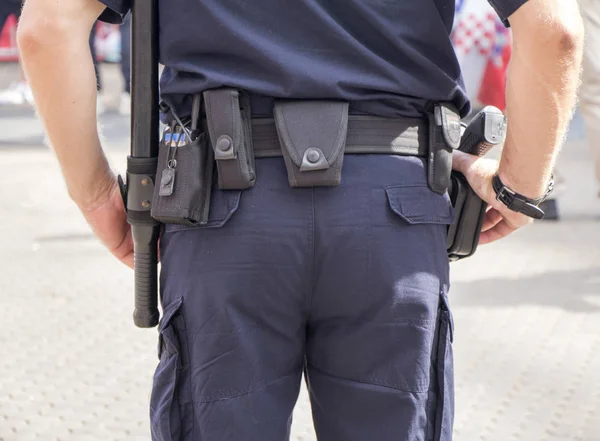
517 202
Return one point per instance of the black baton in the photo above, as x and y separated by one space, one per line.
141 164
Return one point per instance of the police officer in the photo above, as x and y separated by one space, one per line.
348 282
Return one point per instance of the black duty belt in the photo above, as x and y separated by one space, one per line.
366 135
314 135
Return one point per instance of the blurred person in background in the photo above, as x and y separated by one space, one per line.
345 282
589 97
94 52
19 92
124 107
125 100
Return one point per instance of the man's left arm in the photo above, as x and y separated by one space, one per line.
53 39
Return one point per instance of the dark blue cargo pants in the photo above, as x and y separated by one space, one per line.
345 284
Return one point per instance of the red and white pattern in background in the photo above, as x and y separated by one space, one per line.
8 45
483 47
108 40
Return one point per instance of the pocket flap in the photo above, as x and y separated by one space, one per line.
224 121
312 132
420 205
223 205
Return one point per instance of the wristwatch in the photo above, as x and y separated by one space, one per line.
519 203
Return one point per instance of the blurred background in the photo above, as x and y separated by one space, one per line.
74 367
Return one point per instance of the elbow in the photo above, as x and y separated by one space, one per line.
29 40
549 32
30 36
564 37
569 40
558 34
36 34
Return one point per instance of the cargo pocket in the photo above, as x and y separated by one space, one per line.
420 219
171 406
417 204
444 374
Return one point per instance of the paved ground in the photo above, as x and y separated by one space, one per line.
74 368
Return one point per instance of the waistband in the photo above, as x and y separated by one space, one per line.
366 135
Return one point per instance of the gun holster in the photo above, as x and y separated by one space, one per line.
463 234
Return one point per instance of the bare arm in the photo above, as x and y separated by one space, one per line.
53 38
543 78
542 83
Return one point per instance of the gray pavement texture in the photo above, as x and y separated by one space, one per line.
74 368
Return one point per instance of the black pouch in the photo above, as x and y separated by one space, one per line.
444 137
463 234
229 122
312 135
184 175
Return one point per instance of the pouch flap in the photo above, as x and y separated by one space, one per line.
312 132
450 121
224 122
420 205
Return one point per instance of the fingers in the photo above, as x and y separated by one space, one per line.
500 230
479 173
462 161
125 251
498 222
491 219
128 260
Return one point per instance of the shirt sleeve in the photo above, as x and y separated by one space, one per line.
115 11
506 8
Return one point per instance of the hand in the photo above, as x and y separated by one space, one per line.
108 219
499 221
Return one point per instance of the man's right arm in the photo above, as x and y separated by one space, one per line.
543 77
541 91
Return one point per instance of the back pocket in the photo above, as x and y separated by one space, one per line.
420 205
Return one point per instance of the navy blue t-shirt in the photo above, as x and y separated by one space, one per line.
386 57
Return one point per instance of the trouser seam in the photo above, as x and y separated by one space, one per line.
371 383
312 251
